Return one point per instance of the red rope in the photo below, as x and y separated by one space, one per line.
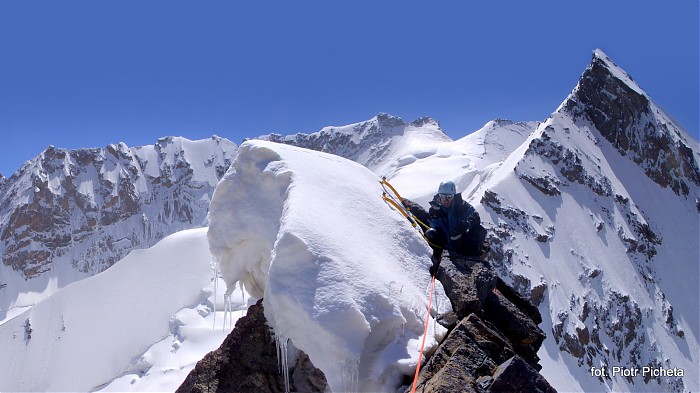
425 333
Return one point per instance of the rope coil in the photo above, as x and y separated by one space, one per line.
396 201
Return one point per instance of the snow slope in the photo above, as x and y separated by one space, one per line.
343 277
146 320
606 302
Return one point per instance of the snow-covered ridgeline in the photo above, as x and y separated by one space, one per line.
602 232
378 143
342 275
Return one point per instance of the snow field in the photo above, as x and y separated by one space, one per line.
91 331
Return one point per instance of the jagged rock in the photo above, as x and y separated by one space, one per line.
537 294
515 375
520 302
520 329
88 208
494 346
247 362
467 283
471 350
546 184
305 377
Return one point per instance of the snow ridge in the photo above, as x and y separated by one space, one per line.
90 332
340 306
379 143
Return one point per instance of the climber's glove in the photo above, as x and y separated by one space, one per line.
459 230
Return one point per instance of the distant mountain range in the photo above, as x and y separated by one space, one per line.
67 215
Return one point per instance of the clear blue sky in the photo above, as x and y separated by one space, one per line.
89 73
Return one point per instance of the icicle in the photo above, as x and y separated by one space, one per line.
228 311
214 264
240 285
349 374
282 341
216 292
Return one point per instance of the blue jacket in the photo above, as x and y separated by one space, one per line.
455 221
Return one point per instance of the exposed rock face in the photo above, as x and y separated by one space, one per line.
247 362
493 347
627 119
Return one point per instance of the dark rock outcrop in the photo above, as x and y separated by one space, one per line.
515 375
247 362
493 347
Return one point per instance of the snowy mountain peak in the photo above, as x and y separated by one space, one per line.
425 121
376 143
616 71
386 120
608 100
607 171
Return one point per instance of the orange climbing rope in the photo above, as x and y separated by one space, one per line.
397 201
425 334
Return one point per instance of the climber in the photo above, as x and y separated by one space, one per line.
454 225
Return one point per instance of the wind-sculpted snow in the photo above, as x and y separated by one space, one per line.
342 275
